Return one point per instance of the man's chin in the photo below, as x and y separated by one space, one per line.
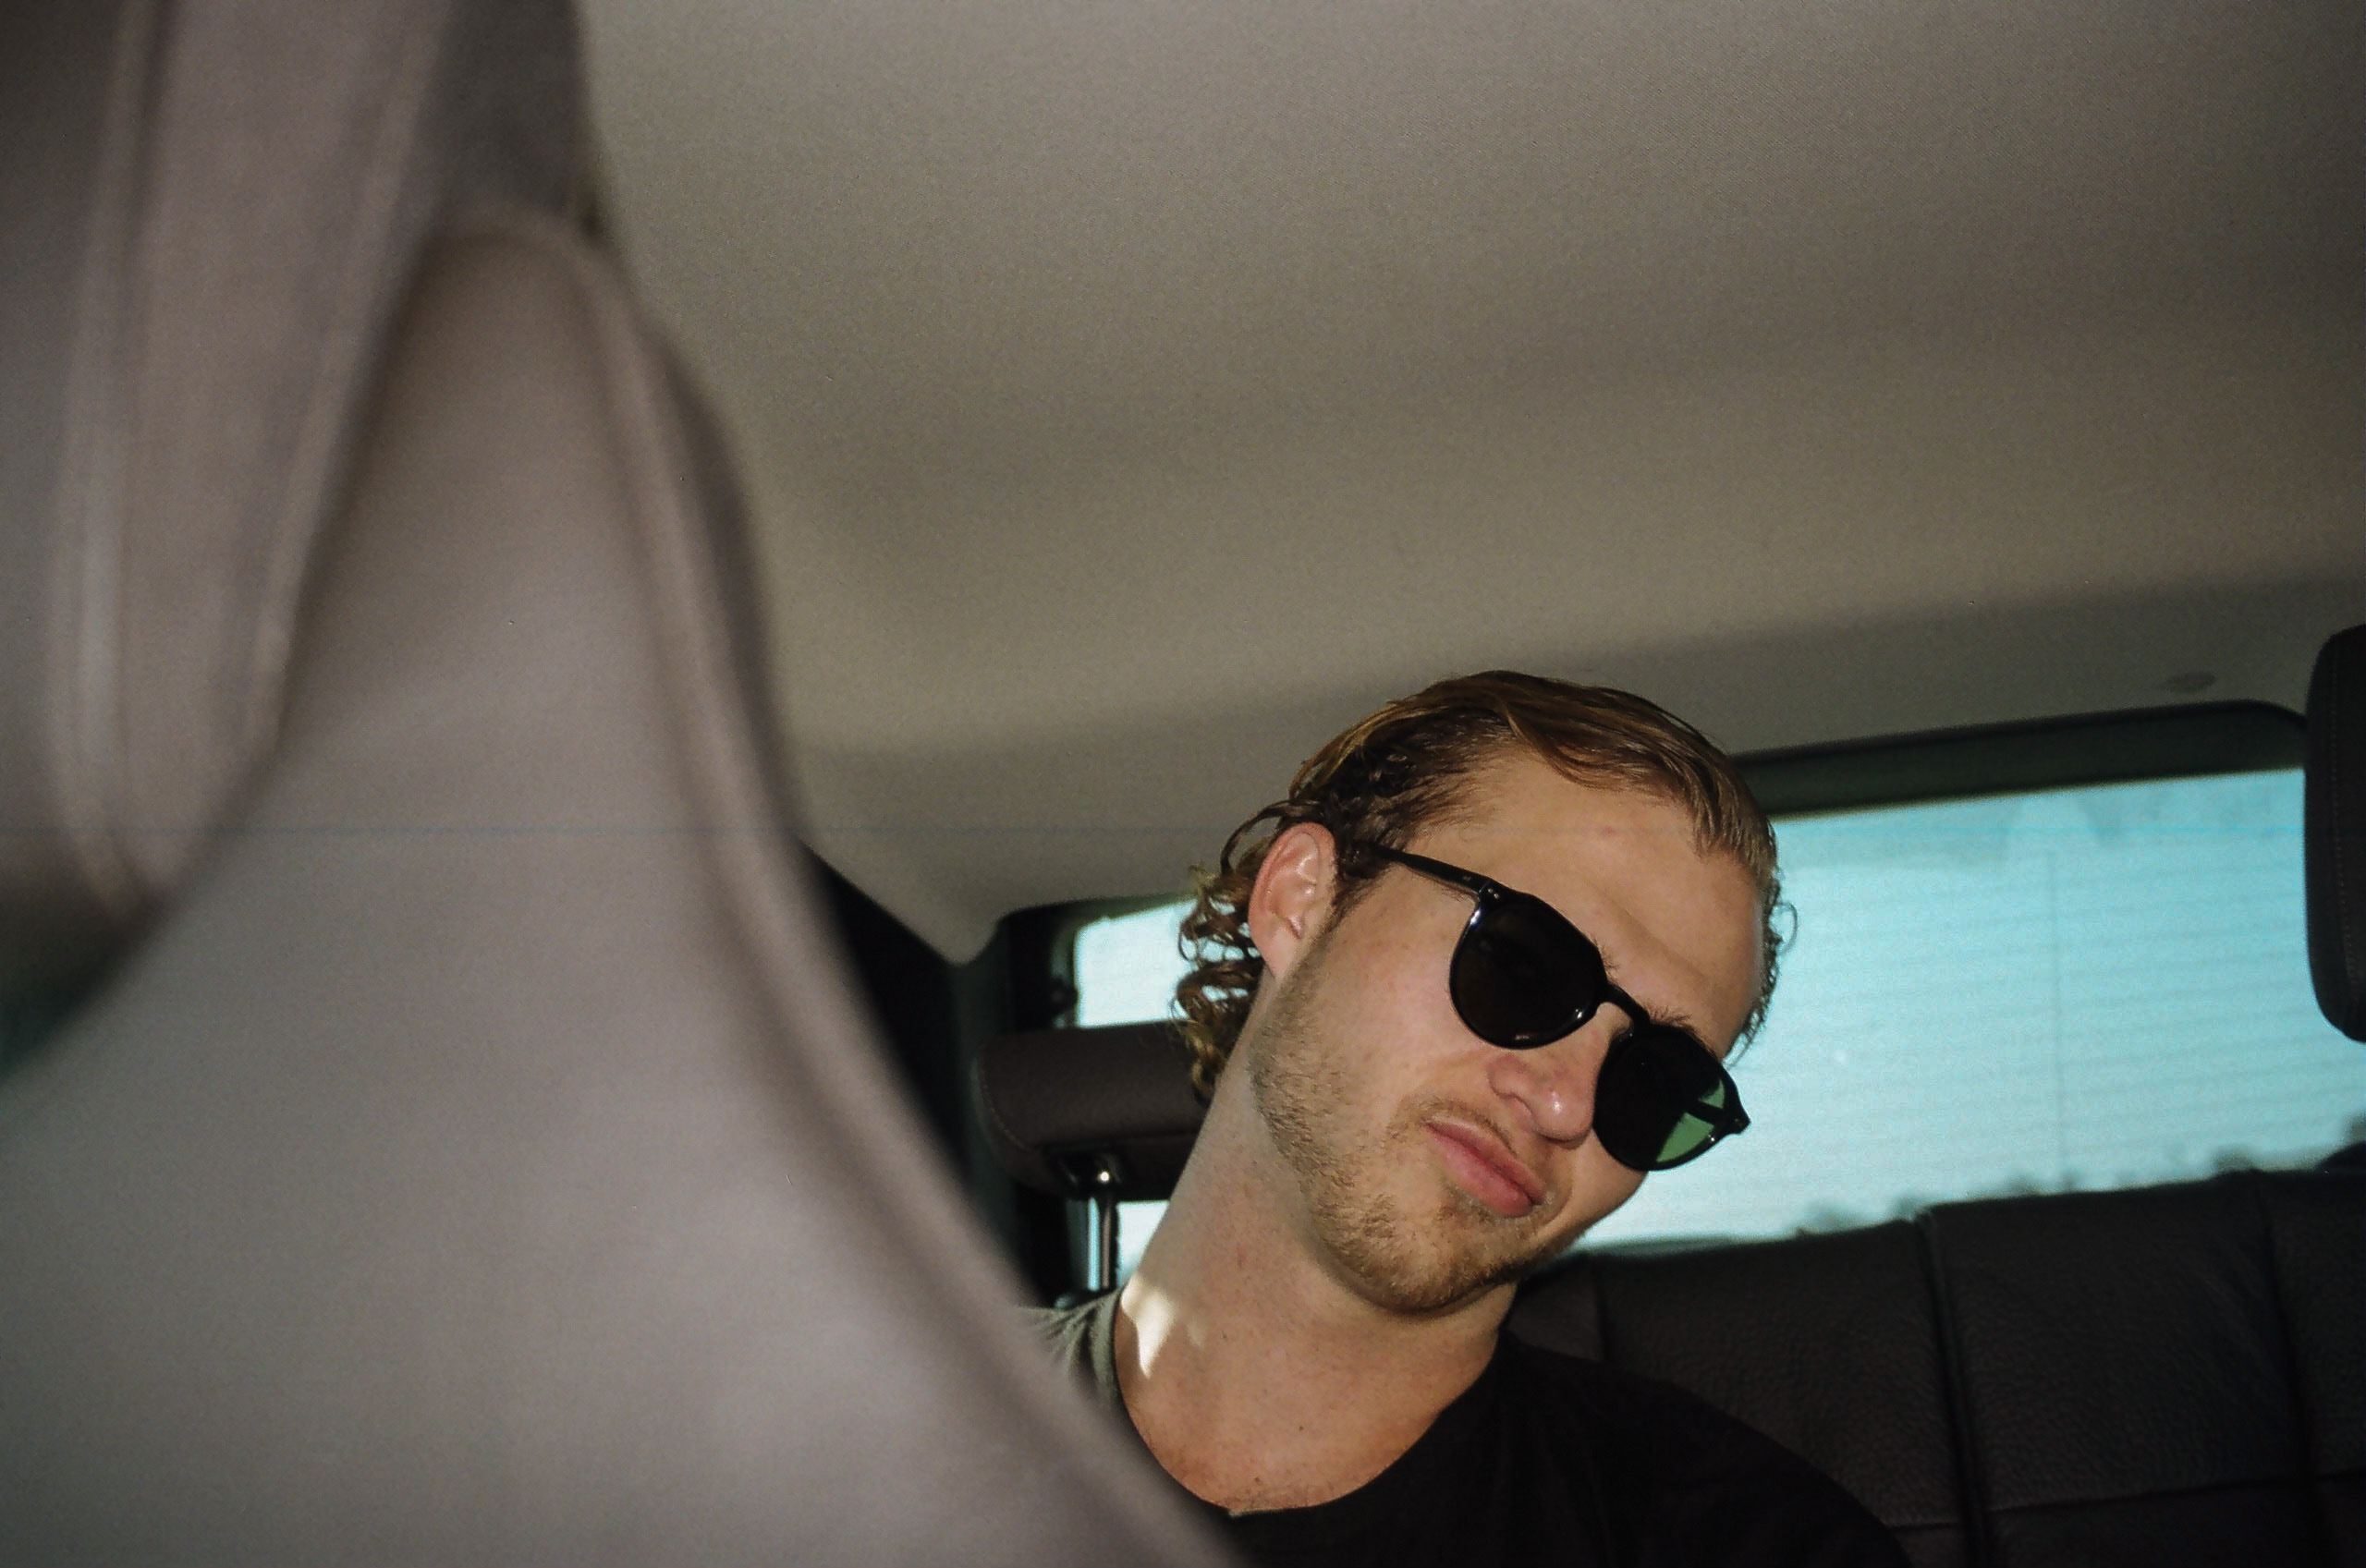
1459 1254
1434 1292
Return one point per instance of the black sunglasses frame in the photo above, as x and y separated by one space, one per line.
1491 896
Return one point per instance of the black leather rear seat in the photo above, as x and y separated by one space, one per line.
2167 1375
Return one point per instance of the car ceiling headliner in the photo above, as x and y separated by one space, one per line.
1130 395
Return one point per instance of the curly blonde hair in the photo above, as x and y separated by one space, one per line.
1403 768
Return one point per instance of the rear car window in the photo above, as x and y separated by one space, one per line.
2087 988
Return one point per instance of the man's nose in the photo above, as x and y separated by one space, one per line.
1554 1084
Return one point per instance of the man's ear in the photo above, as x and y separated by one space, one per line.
1291 898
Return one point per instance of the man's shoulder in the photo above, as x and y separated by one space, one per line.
1609 1390
1062 1327
1673 1423
1079 1339
1693 1481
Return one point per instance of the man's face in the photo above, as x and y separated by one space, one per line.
1433 1165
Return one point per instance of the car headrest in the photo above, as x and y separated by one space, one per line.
1053 1100
475 1150
212 209
2335 831
486 1158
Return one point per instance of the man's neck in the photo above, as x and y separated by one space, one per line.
1254 1370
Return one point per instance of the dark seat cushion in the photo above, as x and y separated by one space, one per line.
2127 1376
2316 1232
1825 1342
2166 1375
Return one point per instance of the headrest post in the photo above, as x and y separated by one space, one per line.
1102 1271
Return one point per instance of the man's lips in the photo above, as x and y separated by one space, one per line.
1486 1169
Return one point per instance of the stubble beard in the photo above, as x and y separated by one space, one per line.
1408 1257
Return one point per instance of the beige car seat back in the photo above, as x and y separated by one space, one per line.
461 1145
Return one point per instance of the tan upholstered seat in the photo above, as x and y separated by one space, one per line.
461 1146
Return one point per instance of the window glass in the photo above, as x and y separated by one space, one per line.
1127 967
2082 987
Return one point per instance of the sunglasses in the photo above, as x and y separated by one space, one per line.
1523 977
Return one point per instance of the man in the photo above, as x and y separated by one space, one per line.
1454 995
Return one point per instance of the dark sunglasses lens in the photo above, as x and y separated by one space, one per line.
1522 975
1651 1082
1691 1135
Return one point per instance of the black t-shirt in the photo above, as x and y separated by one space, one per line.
1549 1459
